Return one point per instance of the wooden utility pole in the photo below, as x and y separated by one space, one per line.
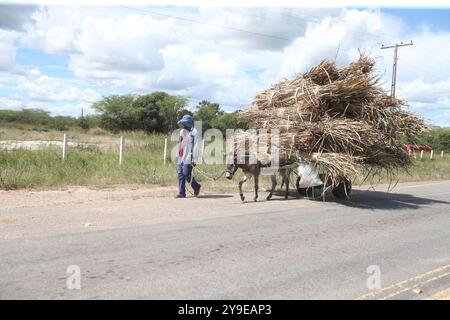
394 66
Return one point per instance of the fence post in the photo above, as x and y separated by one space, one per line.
64 147
165 150
421 154
431 154
442 154
121 149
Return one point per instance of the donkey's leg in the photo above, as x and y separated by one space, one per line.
256 187
241 183
287 185
273 178
285 176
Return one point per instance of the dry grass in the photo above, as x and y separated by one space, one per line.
338 118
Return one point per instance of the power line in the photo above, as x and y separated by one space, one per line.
226 27
314 20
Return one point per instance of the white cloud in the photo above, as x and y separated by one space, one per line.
7 50
13 17
7 56
422 92
426 59
11 103
44 88
118 50
205 75
131 44
53 29
338 37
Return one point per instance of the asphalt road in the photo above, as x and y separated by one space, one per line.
215 247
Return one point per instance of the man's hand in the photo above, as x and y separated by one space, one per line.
194 164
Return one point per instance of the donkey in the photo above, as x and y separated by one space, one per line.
253 170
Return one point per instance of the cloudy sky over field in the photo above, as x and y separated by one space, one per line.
64 58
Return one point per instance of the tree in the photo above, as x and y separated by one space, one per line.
147 108
437 138
230 120
171 109
34 116
207 112
83 123
117 112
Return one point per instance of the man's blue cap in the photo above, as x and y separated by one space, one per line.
187 121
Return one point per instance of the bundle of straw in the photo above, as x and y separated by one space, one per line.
338 118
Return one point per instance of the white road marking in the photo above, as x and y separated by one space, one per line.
408 284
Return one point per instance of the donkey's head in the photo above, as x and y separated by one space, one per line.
231 170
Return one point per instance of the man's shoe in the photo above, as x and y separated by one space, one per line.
196 192
179 196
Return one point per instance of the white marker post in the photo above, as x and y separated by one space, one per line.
421 154
121 149
431 154
442 154
64 147
165 150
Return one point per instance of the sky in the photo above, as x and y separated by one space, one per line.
62 59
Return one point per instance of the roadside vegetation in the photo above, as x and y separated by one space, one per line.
98 165
145 121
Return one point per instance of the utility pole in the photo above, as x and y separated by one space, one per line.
394 66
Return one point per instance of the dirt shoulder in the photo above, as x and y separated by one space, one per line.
29 214
73 195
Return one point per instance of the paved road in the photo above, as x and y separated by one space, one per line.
215 247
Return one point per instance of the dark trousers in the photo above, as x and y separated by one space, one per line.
185 173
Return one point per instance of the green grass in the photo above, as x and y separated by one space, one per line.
426 169
43 169
143 164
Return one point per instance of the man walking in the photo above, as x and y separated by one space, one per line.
187 156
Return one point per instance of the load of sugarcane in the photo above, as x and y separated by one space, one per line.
340 119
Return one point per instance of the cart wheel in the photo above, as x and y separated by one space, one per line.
343 189
313 192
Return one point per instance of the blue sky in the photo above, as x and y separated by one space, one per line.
55 65
437 20
61 59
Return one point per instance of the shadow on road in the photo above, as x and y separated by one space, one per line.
384 200
369 199
214 196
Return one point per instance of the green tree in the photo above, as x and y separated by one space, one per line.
147 109
437 138
207 112
83 123
230 120
62 123
117 112
171 109
34 116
